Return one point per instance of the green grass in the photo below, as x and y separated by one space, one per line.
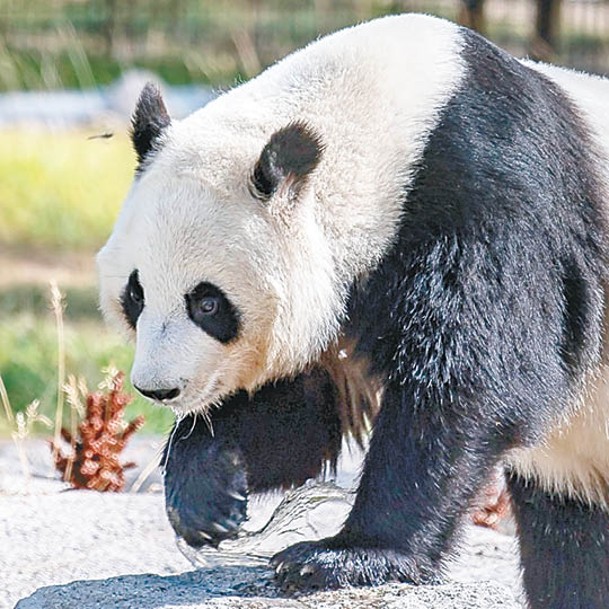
28 352
79 45
34 69
61 192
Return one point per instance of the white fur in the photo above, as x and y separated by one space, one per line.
373 93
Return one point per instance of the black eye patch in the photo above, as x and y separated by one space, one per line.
213 312
132 299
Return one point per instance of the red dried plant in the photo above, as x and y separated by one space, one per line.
103 433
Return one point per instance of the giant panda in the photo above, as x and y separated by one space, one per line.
398 224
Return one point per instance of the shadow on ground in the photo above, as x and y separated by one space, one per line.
148 591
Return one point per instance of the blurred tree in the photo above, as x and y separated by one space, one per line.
547 30
245 39
471 14
109 27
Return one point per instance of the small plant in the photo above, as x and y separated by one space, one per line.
22 424
100 437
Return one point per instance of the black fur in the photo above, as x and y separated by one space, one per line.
213 312
282 436
149 121
292 153
205 483
482 319
132 299
564 544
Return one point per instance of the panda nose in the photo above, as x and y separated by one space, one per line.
160 395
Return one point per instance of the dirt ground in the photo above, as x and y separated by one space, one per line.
38 268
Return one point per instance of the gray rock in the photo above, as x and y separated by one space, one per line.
123 94
81 549
109 106
252 588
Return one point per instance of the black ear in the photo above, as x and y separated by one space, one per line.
288 158
149 121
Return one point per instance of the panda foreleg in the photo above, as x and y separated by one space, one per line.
564 547
421 472
289 431
282 435
205 483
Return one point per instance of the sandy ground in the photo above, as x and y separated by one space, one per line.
51 537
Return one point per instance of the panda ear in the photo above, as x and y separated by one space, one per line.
149 121
288 158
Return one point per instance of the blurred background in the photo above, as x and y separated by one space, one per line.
70 71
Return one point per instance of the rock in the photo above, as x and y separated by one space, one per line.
252 588
109 106
181 100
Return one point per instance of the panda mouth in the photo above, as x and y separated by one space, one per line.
204 400
210 391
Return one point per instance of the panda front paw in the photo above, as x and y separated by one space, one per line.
207 504
330 564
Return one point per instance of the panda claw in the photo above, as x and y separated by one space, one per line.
237 496
219 528
204 535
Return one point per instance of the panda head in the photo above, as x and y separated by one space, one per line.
218 265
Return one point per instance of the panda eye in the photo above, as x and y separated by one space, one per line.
136 294
209 305
132 299
212 311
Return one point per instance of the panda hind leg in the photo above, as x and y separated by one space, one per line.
564 547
